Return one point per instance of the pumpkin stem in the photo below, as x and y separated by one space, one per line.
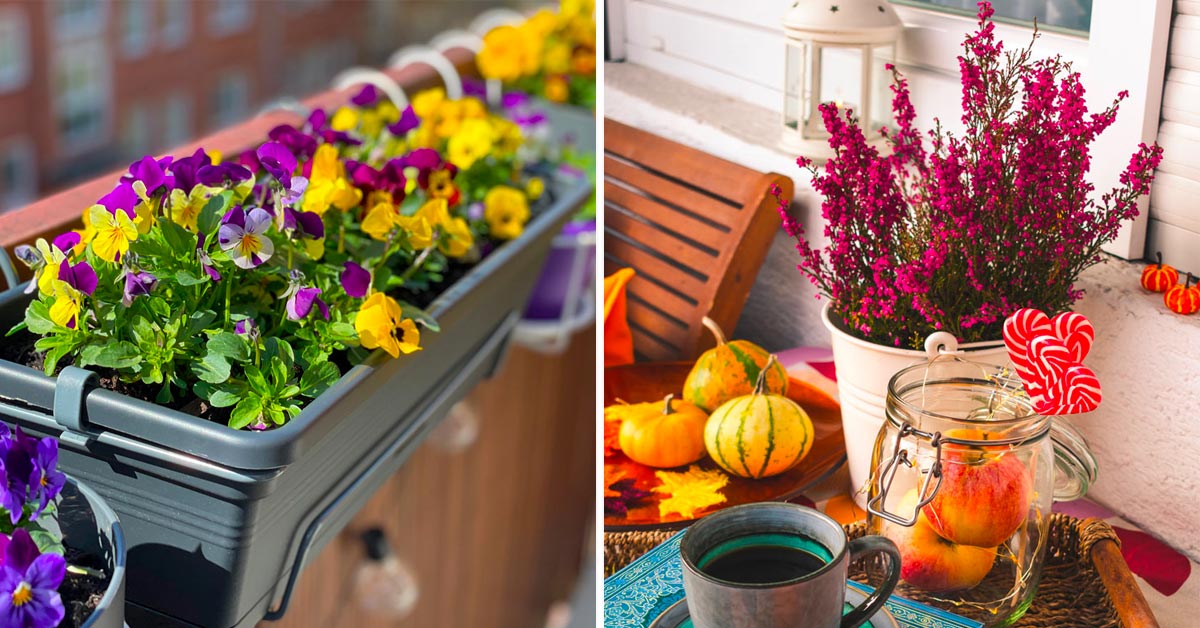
1187 282
1158 255
715 329
667 404
761 383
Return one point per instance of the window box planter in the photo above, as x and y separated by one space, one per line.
229 518
86 524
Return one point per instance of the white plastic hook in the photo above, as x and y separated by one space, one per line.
370 76
492 18
446 41
940 343
286 103
434 59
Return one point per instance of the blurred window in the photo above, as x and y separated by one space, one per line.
1069 15
230 100
77 18
135 28
137 132
14 48
228 16
18 173
177 121
175 22
81 95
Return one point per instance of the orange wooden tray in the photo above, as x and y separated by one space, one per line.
636 383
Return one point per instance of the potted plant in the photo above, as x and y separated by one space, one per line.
62 554
953 232
255 345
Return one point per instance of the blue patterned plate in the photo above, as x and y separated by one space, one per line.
677 615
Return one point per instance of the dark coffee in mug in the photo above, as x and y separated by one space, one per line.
765 559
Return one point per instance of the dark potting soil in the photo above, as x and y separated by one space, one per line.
19 348
81 593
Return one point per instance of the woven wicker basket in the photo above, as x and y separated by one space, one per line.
1085 581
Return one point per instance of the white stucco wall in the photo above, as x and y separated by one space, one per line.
1146 434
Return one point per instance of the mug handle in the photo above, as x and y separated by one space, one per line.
871 545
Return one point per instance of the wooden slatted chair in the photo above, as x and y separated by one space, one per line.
695 227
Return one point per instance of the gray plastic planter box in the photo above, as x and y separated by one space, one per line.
220 522
86 523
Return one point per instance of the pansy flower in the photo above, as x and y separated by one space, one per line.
228 175
380 326
113 233
457 238
44 259
81 276
472 142
152 173
45 481
506 211
185 169
356 280
122 198
420 232
29 582
327 183
278 161
407 122
302 224
300 302
366 97
185 207
137 283
380 220
248 328
205 260
301 144
243 236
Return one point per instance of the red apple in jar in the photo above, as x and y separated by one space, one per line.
930 562
985 492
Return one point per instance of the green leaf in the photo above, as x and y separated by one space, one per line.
421 317
318 377
47 542
256 380
275 414
37 318
213 368
17 328
198 322
185 278
117 355
177 237
230 345
343 332
210 216
277 349
223 395
248 410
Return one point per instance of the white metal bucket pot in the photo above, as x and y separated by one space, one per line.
863 370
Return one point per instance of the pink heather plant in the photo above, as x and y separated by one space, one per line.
957 235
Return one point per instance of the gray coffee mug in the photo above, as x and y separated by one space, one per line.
814 600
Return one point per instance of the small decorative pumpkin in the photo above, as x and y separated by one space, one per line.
760 434
730 370
1159 277
1183 298
670 435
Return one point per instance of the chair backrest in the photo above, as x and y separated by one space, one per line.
695 227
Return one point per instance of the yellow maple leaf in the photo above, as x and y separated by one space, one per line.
690 491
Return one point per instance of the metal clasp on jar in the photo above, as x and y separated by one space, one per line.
875 505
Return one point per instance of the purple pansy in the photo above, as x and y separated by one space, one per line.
278 161
423 159
299 143
205 260
407 122
17 453
303 224
295 190
301 300
121 197
152 173
366 97
317 119
45 481
185 169
356 280
243 236
137 283
246 327
79 276
67 241
29 582
226 173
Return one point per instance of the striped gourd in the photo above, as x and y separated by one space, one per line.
730 370
760 434
1183 298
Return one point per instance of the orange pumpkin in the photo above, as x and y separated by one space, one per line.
1183 298
730 370
665 436
1159 277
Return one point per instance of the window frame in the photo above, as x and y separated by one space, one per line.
219 20
76 28
26 152
170 35
92 49
141 46
17 77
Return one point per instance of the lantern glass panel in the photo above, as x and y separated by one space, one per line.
880 83
841 76
797 88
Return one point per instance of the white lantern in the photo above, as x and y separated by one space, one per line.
836 52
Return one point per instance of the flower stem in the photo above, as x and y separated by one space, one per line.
228 294
417 262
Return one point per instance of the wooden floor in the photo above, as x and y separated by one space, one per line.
494 533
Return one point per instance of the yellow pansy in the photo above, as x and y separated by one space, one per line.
144 214
448 118
472 142
456 238
387 112
65 310
380 326
441 184
114 232
556 89
47 275
328 185
506 210
503 54
435 211
535 188
508 135
380 221
244 188
315 249
542 23
473 108
184 208
573 8
427 102
558 58
420 232
85 234
344 119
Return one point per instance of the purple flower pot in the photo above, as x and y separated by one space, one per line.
554 284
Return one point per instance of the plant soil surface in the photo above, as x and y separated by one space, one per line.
81 593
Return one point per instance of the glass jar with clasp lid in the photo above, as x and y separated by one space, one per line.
964 474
